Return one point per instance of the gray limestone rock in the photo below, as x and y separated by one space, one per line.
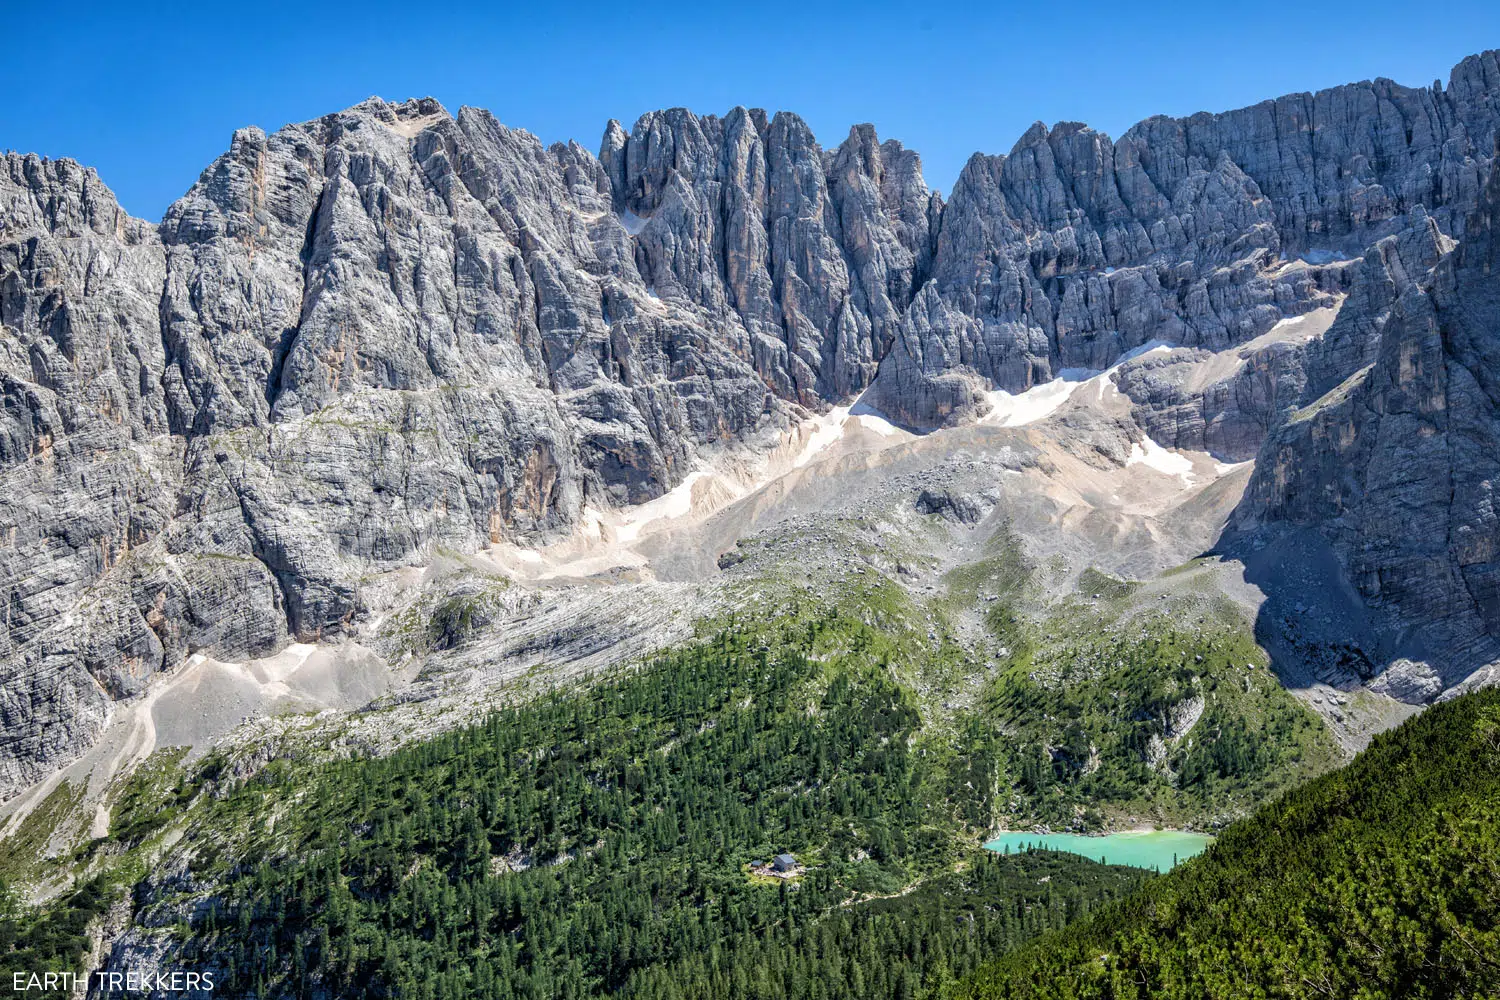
1392 456
391 331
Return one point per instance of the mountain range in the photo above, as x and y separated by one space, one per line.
366 341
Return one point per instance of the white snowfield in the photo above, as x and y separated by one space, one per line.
840 422
708 488
612 539
675 503
1041 401
1147 452
1036 403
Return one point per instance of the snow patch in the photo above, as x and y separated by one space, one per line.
876 423
1036 403
676 502
1149 347
605 539
1156 457
1041 401
829 429
838 422
866 416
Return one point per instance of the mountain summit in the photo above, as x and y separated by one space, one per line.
391 333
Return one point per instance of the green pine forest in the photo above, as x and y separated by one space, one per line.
1381 879
595 840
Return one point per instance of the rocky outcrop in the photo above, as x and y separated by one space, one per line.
394 330
352 342
1393 455
1225 402
1074 249
88 464
965 508
806 259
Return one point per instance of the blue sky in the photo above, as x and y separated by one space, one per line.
151 98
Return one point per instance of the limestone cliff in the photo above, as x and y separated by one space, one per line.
392 330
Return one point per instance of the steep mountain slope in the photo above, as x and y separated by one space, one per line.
1377 880
366 342
1392 456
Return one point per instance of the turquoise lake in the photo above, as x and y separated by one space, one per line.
1143 849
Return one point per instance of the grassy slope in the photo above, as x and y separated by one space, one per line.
1086 689
1378 880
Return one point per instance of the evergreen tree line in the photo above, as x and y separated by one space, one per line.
1381 879
596 842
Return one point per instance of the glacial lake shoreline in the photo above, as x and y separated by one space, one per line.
1153 849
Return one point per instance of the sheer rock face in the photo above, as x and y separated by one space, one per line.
806 259
1072 249
1394 455
393 329
88 468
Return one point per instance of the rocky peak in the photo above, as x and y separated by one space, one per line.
360 339
62 198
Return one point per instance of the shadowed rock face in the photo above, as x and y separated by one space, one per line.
392 329
1394 453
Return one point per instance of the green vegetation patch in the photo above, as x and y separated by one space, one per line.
152 797
1149 715
25 851
594 841
53 939
1378 880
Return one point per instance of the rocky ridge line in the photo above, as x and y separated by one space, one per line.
390 331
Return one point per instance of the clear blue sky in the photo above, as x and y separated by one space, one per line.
151 98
